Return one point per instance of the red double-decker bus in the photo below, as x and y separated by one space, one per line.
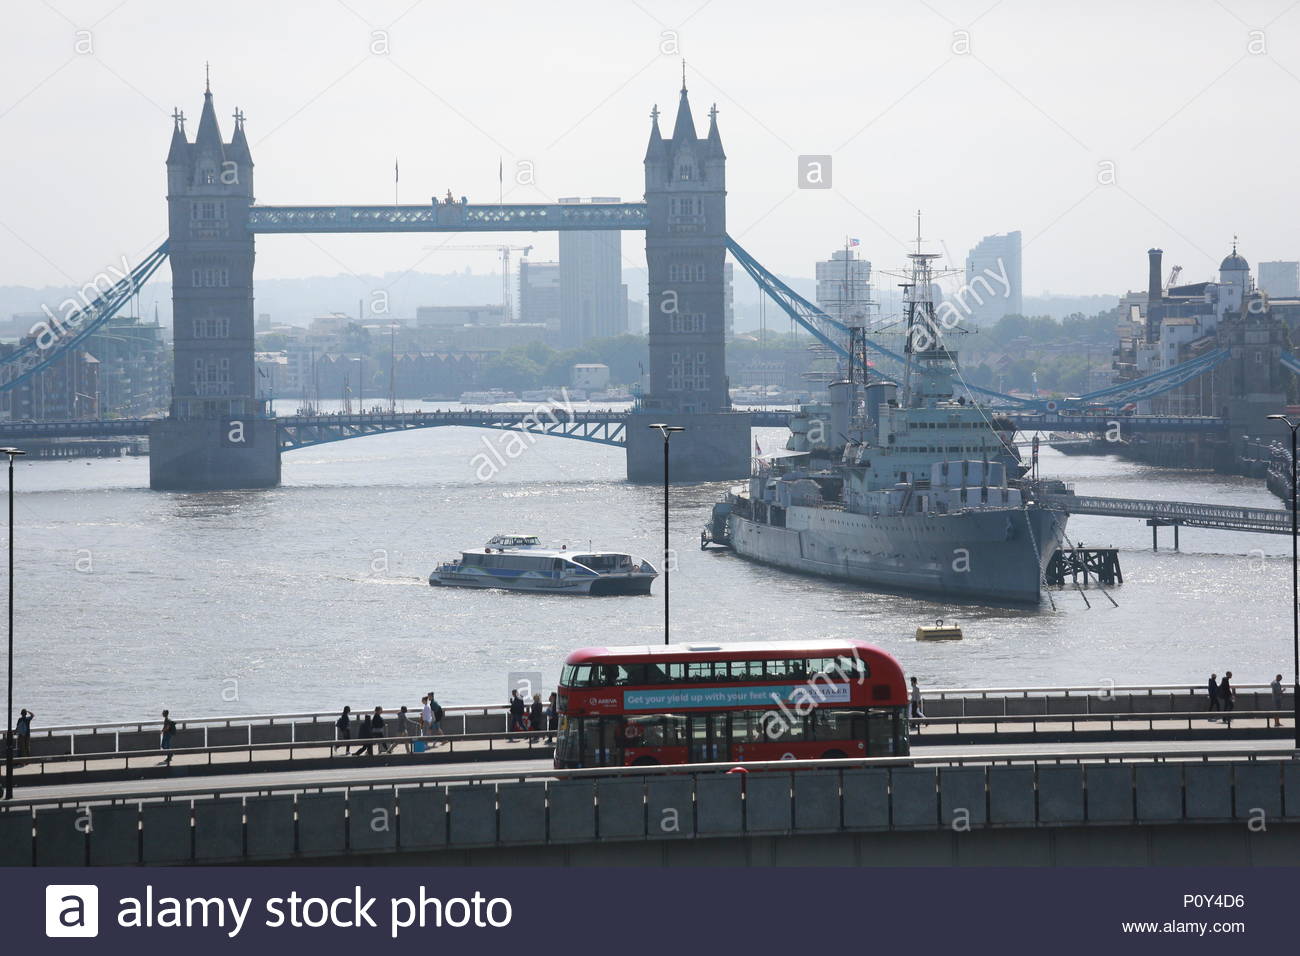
705 703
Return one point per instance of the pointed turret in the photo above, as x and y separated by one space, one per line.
209 134
238 150
713 149
180 147
684 128
655 150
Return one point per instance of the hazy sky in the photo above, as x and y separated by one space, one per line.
990 116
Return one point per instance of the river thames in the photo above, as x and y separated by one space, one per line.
315 594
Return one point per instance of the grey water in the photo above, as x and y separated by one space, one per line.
314 594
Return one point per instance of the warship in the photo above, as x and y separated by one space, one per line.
900 487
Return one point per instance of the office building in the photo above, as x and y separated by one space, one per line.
993 280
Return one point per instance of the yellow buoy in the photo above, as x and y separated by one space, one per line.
938 631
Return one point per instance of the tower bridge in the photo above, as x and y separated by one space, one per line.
220 434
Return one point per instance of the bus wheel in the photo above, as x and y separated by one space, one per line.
833 755
645 762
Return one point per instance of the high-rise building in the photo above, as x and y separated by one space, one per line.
1280 279
593 303
539 294
993 276
844 287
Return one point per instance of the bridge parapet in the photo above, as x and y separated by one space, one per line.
569 808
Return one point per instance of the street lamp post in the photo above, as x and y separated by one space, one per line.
1295 577
667 431
9 722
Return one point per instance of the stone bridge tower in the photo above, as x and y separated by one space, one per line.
686 250
217 434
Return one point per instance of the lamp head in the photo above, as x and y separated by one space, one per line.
11 452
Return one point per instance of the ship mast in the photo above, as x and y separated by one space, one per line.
922 342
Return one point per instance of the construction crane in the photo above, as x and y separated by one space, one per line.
1174 273
504 252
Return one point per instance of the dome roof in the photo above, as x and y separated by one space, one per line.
1234 262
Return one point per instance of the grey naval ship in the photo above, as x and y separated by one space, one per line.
902 489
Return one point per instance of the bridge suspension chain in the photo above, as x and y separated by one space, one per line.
62 334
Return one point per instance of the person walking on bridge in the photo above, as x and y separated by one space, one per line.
1276 688
516 714
168 731
436 713
917 713
344 727
364 735
403 731
537 714
24 730
1227 695
377 727
1213 690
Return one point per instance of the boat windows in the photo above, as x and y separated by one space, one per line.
604 563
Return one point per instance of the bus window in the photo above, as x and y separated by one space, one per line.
654 674
599 741
826 724
699 671
783 726
676 672
582 676
853 668
777 670
798 668
884 728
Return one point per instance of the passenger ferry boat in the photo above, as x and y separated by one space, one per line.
519 562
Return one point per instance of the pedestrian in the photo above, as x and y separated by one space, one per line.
364 734
403 731
436 713
552 718
343 728
24 729
917 713
1226 695
426 716
516 714
377 728
1213 690
168 730
1276 688
538 715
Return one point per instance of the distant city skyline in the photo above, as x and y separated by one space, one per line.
924 123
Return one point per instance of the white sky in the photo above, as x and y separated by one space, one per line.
1202 131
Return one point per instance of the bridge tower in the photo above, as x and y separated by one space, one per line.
217 434
686 248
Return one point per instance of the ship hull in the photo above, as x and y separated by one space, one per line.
988 556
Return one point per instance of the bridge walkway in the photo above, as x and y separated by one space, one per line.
1187 513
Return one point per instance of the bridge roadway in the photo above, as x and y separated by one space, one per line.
1191 514
604 426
